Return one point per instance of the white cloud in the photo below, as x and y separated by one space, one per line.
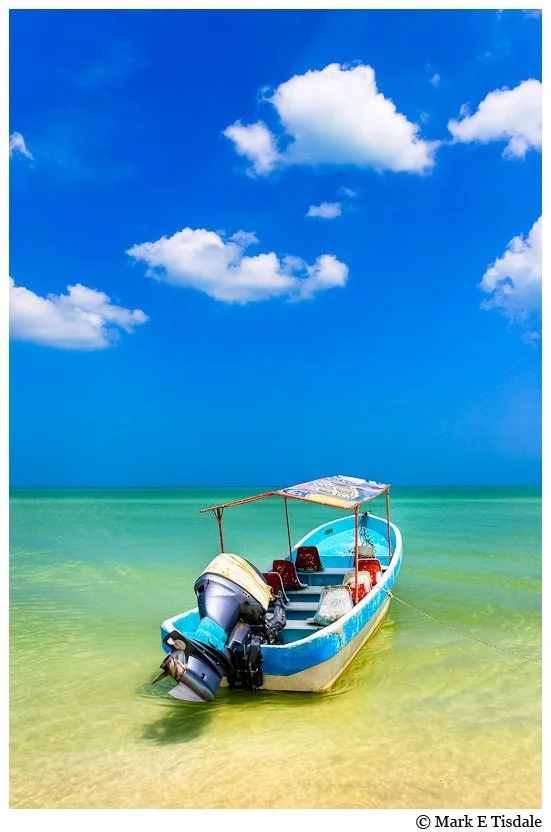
504 115
18 146
435 80
326 273
330 210
514 280
325 210
83 319
218 266
334 116
255 142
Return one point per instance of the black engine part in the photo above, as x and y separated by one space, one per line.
228 641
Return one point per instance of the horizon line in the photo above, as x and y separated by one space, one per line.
260 485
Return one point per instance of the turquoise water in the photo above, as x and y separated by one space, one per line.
422 718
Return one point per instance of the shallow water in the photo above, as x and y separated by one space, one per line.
423 717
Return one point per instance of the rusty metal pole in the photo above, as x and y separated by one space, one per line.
388 523
356 552
288 527
218 514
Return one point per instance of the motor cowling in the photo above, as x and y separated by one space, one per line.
232 599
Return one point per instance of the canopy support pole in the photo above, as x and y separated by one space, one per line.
218 512
356 552
387 495
288 526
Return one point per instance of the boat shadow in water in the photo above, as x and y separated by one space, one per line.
179 722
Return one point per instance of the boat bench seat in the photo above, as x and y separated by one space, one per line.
309 595
296 630
301 609
302 625
304 594
334 575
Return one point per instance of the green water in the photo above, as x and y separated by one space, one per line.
422 718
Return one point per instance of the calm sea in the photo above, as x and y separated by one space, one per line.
422 718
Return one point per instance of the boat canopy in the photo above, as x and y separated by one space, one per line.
337 491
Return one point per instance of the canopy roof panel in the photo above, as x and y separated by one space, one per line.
338 491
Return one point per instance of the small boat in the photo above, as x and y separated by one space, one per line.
297 625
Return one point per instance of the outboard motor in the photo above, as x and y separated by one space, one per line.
233 599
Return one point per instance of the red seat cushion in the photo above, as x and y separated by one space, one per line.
273 579
308 559
286 568
361 593
371 565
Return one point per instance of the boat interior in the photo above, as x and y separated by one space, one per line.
325 558
322 559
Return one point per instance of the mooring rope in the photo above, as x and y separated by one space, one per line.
462 632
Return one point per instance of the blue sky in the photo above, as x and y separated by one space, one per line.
392 334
